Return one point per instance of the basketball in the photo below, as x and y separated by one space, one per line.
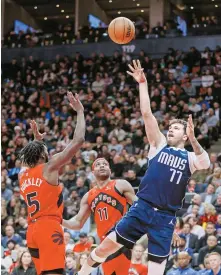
121 30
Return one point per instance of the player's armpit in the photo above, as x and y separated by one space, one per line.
78 221
125 188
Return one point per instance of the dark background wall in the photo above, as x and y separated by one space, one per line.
155 47
15 12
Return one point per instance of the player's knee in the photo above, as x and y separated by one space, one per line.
157 259
102 251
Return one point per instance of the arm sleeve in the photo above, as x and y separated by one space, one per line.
198 162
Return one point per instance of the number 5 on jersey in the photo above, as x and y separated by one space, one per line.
32 201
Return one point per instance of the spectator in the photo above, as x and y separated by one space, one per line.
183 265
73 203
6 192
179 225
175 266
210 231
99 84
71 265
10 235
215 263
217 203
80 187
133 180
194 213
215 178
191 187
182 25
191 239
209 216
69 243
136 266
25 266
84 245
196 229
22 227
207 79
209 196
209 248
117 167
212 120
114 145
206 270
196 200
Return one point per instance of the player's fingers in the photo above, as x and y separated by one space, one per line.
76 97
130 73
139 65
135 64
131 68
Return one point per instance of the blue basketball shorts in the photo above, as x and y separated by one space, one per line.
143 219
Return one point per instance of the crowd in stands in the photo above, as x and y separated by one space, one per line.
179 84
65 34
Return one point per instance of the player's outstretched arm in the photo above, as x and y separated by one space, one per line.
60 159
199 160
125 188
78 221
154 135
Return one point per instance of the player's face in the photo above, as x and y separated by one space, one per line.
102 169
176 135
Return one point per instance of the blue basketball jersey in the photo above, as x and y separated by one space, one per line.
164 183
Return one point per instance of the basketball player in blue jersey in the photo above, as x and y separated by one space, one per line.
162 189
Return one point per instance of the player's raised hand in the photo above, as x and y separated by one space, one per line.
75 102
190 128
137 71
38 136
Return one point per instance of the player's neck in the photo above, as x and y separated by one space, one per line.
178 146
102 183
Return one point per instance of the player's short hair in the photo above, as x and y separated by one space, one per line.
179 121
32 153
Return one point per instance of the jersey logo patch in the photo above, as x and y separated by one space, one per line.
58 238
171 222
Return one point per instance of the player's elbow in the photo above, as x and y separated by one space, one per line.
146 114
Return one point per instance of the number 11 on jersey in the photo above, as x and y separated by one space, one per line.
103 213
